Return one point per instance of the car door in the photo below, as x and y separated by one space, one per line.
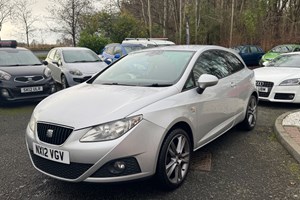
216 106
56 66
51 63
246 55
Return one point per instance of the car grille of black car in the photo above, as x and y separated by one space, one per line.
27 79
269 85
68 171
53 134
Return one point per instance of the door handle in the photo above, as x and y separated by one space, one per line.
232 84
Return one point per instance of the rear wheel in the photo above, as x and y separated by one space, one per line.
174 159
64 82
251 114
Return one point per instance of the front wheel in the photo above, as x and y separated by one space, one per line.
174 159
64 82
251 114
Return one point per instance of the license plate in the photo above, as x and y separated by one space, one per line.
32 89
262 89
51 154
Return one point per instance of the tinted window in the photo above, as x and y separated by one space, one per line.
79 55
15 57
234 64
211 62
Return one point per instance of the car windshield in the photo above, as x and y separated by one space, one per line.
282 49
18 57
286 61
133 48
237 49
156 68
80 55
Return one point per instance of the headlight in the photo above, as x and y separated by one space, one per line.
32 123
75 72
290 82
111 130
4 75
47 72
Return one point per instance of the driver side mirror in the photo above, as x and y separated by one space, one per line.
206 80
44 62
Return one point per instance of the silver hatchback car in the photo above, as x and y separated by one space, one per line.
142 116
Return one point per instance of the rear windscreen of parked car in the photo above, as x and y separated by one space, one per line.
73 56
148 68
16 57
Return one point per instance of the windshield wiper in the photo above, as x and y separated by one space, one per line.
117 84
83 61
158 85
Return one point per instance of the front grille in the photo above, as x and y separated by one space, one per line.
68 171
132 167
53 134
27 79
284 96
266 84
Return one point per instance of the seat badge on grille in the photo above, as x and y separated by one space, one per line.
49 133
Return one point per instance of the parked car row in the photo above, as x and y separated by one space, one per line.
114 51
253 55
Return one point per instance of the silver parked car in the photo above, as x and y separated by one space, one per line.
73 65
142 116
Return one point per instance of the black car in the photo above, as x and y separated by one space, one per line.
22 75
251 54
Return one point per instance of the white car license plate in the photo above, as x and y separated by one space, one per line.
51 154
262 89
32 89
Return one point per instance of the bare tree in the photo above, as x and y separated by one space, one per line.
67 14
5 11
25 17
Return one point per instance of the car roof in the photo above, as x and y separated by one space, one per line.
194 48
71 48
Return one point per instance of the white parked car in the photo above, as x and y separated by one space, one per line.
142 116
73 65
149 42
279 81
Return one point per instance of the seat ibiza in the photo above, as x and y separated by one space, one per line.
142 116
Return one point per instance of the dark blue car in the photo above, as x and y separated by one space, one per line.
251 54
114 51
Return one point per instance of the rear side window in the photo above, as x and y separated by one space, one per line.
253 49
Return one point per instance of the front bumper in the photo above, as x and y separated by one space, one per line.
11 91
286 94
90 161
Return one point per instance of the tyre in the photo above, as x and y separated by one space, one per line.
174 159
251 114
64 82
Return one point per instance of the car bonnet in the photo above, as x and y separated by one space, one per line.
86 105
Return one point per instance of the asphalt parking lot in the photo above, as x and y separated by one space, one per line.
242 165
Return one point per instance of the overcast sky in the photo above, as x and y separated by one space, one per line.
10 29
40 9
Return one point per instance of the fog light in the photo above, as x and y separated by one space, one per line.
4 93
117 167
